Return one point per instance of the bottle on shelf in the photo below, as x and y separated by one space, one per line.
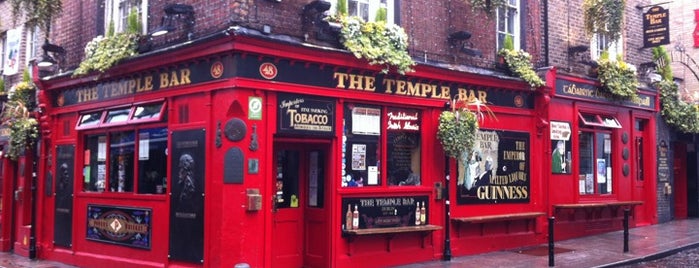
348 217
417 214
355 218
423 214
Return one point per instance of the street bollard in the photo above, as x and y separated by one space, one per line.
551 219
626 230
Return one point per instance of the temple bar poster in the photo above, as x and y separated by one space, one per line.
496 171
119 225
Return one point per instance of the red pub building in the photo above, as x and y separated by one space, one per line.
242 146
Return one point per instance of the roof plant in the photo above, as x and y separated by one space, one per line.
40 12
519 62
377 42
457 128
101 53
617 77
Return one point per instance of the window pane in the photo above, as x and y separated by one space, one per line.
511 15
116 116
287 184
604 163
403 147
90 119
147 111
361 146
152 161
95 168
586 166
121 161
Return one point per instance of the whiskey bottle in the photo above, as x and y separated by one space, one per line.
417 214
423 214
348 218
355 218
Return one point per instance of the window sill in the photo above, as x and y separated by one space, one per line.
123 196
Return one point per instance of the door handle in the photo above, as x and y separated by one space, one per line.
274 203
18 194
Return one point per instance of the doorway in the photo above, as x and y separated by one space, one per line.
644 185
300 215
679 168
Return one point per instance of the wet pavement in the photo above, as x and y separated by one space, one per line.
646 244
671 244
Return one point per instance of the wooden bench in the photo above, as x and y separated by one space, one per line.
591 207
389 233
507 218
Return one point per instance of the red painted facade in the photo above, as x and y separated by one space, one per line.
272 195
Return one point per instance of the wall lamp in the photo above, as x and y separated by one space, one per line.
175 13
460 39
47 60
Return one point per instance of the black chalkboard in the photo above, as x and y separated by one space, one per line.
384 211
233 166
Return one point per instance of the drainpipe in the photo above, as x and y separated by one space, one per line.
32 229
546 33
447 216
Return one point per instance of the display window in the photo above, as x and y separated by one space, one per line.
128 159
595 155
366 129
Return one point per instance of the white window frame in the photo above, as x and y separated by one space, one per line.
32 45
598 43
113 11
374 6
511 4
3 39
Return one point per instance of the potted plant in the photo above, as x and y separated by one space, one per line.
518 62
617 77
16 116
458 127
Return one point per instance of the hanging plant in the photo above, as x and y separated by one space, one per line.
377 42
617 77
677 113
605 17
16 116
101 53
457 128
487 5
40 12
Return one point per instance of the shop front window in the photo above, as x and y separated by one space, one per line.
116 152
595 159
366 128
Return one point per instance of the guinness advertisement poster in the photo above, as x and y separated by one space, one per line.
497 171
63 218
384 211
187 196
119 225
306 115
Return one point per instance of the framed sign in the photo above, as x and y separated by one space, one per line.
119 225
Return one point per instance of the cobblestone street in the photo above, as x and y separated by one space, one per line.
685 258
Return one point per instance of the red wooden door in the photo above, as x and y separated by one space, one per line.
300 221
680 173
22 206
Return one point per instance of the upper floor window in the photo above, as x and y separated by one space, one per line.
367 9
32 45
2 52
508 23
601 42
117 12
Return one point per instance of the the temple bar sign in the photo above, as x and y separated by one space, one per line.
655 27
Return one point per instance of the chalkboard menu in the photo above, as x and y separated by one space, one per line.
382 212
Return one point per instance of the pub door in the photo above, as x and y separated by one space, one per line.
300 232
643 179
22 205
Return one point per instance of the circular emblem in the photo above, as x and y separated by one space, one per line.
268 70
235 129
255 105
625 153
217 69
519 101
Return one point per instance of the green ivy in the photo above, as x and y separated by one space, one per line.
457 131
16 116
519 62
618 78
604 17
683 116
39 11
378 42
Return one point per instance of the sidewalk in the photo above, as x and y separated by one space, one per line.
604 250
